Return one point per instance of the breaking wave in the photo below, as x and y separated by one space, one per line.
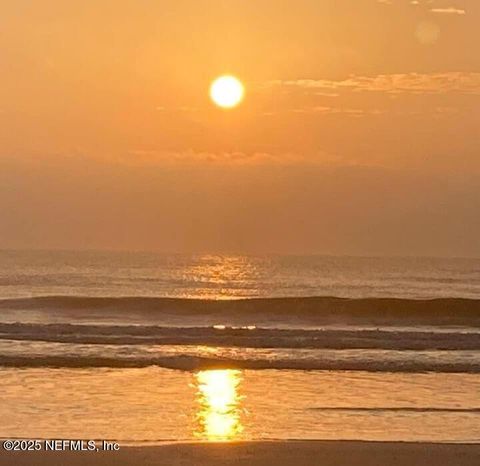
312 310
251 337
317 333
194 363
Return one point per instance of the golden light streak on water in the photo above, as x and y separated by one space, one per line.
219 400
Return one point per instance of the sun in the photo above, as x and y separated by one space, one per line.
227 91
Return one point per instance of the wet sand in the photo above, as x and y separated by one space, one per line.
294 453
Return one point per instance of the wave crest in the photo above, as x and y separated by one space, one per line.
312 310
241 337
195 363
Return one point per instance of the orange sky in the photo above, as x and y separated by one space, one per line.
358 133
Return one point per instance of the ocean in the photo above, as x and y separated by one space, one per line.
147 347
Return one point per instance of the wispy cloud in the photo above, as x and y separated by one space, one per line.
419 83
428 4
450 11
188 157
192 158
325 110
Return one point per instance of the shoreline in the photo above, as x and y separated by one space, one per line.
262 453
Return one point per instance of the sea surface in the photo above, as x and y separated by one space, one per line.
146 348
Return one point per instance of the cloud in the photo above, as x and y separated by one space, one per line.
450 10
191 158
325 110
446 10
415 83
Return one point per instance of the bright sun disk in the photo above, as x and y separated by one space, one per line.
227 91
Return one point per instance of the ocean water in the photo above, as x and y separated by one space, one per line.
144 347
225 277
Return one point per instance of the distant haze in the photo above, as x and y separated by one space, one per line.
359 132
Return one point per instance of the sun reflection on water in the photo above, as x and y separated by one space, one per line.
218 416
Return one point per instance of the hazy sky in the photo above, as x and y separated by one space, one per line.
359 133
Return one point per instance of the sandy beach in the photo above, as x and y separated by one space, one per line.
294 453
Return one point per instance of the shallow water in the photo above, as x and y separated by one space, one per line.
154 405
